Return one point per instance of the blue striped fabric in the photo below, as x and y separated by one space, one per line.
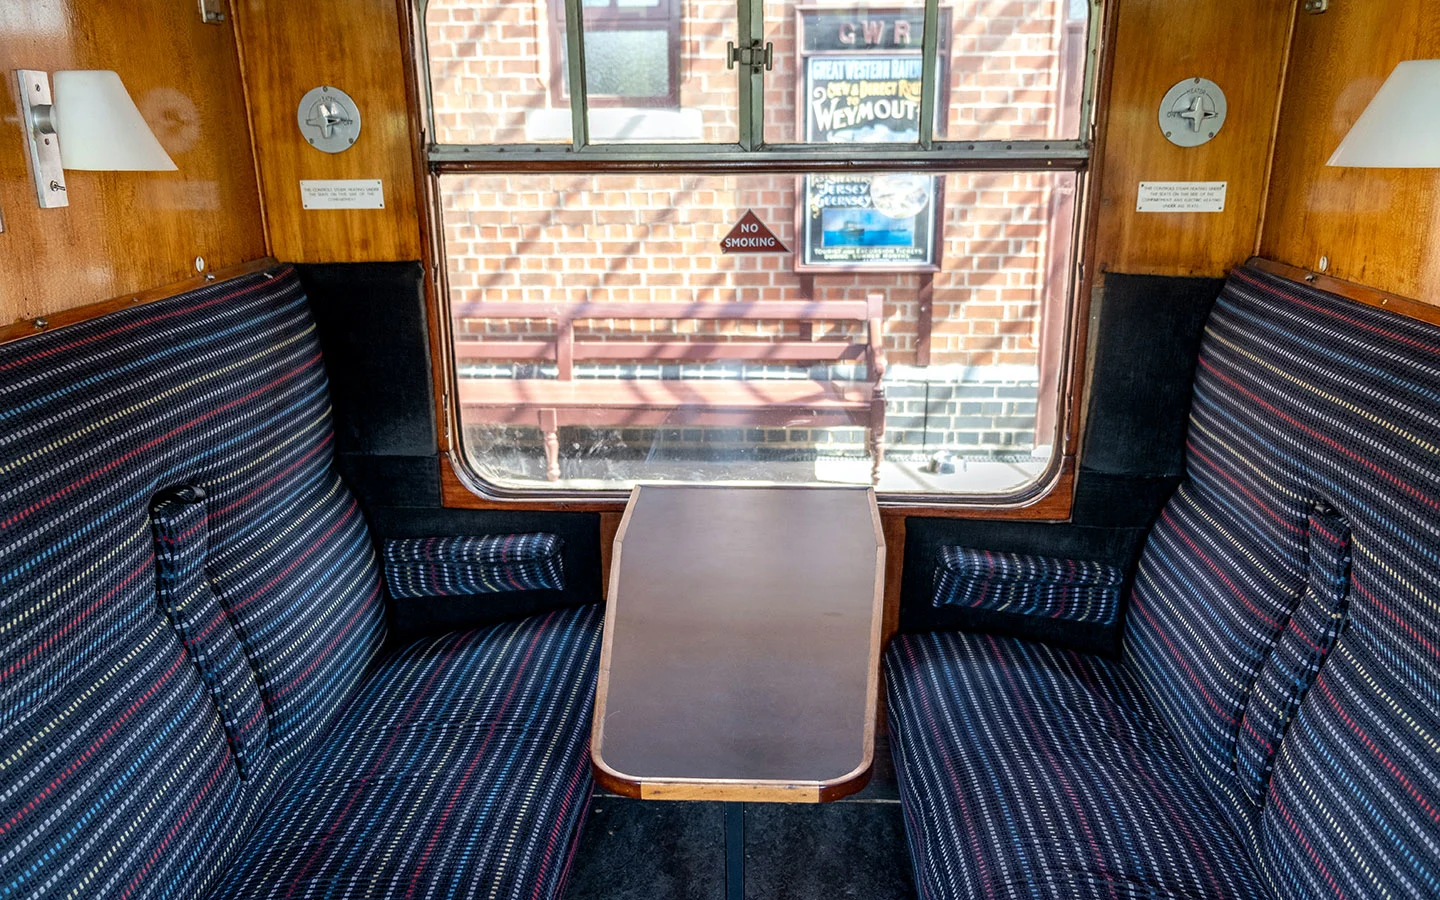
1025 585
488 564
1284 637
1033 772
181 540
117 777
1297 656
1307 401
461 769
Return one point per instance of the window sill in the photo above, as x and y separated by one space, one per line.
1047 499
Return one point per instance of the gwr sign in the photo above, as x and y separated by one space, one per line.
878 28
871 33
751 236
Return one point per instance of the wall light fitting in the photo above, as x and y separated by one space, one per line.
1399 129
90 123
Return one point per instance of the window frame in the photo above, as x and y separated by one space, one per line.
1048 497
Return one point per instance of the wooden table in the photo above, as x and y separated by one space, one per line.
741 652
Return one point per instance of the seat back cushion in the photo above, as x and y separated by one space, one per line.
187 591
1285 618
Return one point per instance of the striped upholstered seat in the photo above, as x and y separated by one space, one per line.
1271 730
461 768
486 564
1028 771
1027 585
190 622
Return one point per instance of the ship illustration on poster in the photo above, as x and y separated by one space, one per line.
869 220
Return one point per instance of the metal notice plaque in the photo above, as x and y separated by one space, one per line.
361 193
1181 196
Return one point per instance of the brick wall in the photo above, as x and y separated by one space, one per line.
630 239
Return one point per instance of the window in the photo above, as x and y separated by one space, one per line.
632 53
905 321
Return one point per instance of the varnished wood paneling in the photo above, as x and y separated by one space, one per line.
1379 227
1405 306
609 526
39 325
125 232
289 47
1240 45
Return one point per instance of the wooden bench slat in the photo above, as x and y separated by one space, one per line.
779 351
617 402
622 393
826 310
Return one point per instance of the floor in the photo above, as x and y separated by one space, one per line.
652 850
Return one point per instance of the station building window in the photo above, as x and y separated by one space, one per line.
907 329
632 53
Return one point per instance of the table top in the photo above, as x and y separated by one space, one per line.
741 651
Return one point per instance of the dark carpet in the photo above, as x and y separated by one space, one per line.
667 850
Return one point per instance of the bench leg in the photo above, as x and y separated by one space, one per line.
877 455
877 437
550 429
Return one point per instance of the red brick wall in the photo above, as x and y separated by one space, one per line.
610 238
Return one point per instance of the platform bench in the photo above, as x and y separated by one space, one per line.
551 404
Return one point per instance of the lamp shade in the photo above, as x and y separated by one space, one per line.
99 127
1399 129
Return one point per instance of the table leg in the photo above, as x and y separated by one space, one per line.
734 851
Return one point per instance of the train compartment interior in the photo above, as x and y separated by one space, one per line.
683 449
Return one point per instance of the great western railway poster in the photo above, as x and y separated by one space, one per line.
860 73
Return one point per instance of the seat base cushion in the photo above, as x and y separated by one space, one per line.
461 768
1032 772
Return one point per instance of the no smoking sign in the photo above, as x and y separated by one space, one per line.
751 236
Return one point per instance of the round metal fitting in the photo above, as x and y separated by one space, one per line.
329 119
1193 112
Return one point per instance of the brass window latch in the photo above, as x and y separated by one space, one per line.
757 56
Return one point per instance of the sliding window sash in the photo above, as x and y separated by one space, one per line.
751 153
575 53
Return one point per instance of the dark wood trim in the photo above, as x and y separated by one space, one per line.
28 327
1274 137
1052 503
432 226
1088 193
1395 303
925 319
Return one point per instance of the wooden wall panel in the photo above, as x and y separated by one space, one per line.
289 47
1240 45
1379 227
124 232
